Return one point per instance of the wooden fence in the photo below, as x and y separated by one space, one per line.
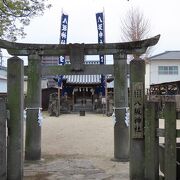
156 154
146 153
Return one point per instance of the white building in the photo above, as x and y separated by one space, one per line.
3 84
3 80
164 67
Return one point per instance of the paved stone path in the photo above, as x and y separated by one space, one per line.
72 168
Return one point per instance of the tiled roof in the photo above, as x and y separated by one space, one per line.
83 79
76 79
167 55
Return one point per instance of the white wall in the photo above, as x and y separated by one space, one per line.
3 72
156 78
3 86
147 76
43 84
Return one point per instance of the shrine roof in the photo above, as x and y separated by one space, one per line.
83 79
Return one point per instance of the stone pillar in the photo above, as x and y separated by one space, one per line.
170 152
33 127
3 164
137 91
72 100
151 141
121 130
15 94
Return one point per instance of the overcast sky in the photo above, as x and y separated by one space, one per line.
164 16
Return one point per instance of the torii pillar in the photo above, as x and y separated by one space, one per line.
33 127
121 129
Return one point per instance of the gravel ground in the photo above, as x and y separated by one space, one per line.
77 148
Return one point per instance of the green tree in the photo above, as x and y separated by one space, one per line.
16 14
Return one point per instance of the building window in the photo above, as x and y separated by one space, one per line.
169 70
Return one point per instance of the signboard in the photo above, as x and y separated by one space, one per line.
137 110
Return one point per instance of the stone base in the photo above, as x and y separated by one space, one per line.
120 159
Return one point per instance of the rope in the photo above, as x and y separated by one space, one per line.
33 108
126 118
40 117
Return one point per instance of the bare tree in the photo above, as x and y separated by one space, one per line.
135 27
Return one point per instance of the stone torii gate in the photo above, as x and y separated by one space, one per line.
35 70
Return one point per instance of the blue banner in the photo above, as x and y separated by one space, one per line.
103 85
63 35
101 40
101 34
60 79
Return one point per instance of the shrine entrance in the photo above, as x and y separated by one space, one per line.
34 72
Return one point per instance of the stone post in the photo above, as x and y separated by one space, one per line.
151 141
121 129
170 141
3 164
33 128
15 95
137 91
